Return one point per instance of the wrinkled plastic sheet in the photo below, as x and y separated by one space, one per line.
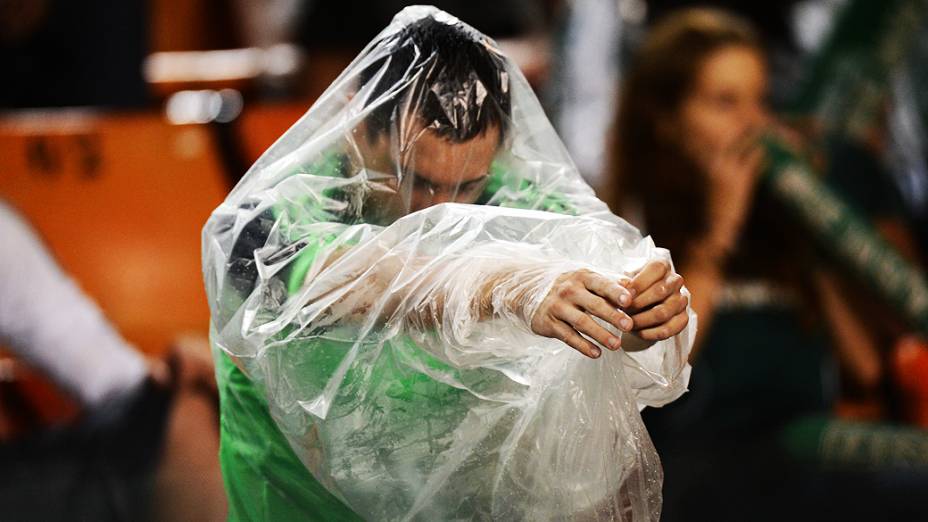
364 321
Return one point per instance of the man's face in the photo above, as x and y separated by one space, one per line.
422 169
436 170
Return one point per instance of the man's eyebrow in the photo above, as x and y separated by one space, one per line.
419 178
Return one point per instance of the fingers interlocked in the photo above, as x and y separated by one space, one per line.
659 306
568 311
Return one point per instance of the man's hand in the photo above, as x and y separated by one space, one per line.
567 311
658 308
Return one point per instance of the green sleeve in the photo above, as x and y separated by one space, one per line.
263 477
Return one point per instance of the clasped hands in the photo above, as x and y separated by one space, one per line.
651 306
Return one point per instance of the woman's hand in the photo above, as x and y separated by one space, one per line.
732 172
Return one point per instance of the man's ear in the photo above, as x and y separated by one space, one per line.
374 149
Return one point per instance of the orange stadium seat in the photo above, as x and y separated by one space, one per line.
120 200
259 126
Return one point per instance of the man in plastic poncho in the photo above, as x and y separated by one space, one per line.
342 329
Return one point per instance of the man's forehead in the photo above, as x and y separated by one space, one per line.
441 160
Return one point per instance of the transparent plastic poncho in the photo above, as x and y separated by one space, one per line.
389 329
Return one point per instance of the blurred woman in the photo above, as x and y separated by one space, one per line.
774 323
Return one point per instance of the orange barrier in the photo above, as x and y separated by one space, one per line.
909 366
259 126
120 200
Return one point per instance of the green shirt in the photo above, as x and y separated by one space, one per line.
264 478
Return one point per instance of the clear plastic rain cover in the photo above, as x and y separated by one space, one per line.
375 275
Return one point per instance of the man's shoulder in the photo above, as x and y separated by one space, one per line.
506 188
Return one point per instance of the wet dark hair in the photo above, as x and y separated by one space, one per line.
450 74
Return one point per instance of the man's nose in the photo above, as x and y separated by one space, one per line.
442 196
